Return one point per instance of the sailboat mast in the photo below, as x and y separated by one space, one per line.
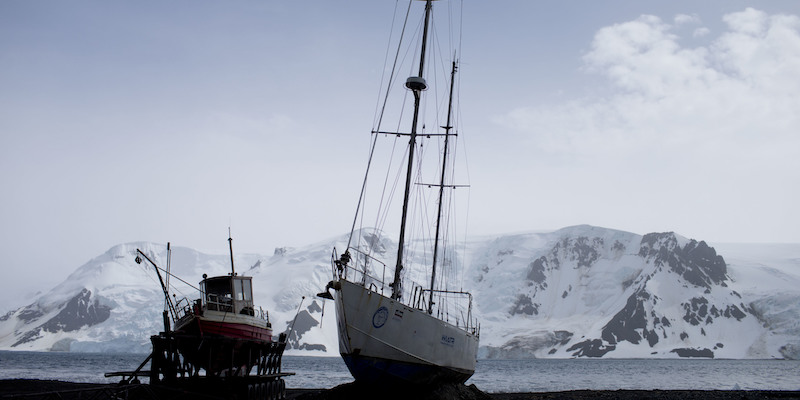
447 129
416 84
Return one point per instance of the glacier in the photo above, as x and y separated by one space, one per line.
580 291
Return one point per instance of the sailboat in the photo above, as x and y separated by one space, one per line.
407 332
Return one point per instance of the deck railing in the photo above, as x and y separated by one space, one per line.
359 270
454 307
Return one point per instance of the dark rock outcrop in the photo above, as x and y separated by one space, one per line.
696 262
696 353
591 348
623 326
80 311
302 324
524 305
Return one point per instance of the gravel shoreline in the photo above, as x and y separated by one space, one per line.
28 388
462 392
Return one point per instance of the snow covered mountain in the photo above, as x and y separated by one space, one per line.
593 292
577 292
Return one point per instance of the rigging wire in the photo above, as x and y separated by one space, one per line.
435 71
383 215
375 135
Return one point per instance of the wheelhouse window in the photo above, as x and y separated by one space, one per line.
244 291
244 295
228 294
218 294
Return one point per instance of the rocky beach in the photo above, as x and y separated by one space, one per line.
52 389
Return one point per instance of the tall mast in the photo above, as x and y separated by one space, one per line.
416 84
447 129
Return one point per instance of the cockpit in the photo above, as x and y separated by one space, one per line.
228 294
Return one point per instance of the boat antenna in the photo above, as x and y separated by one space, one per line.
230 245
416 84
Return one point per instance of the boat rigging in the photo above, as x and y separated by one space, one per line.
426 333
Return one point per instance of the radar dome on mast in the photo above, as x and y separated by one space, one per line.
416 83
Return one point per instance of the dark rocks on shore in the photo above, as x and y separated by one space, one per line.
651 395
349 391
9 387
352 391
40 389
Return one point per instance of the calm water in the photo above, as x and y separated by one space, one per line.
491 375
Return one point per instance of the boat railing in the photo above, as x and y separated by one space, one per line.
217 303
261 313
359 270
225 304
183 308
451 306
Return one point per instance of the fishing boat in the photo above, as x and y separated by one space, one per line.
406 331
220 343
220 330
225 309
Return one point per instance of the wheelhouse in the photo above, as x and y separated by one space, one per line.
228 294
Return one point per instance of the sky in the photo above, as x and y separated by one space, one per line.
154 121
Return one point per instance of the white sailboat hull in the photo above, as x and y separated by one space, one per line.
382 340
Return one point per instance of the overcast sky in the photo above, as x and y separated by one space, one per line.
170 121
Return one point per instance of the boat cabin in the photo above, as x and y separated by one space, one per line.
228 293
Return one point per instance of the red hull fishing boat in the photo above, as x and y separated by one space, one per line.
226 310
221 328
221 343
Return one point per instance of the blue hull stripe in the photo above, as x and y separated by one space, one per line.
381 371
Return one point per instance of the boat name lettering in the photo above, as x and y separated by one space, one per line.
448 340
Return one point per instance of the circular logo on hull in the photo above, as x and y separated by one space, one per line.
380 317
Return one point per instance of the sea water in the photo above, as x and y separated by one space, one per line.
541 375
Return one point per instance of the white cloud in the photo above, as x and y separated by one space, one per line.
750 21
701 32
683 19
741 89
763 51
719 121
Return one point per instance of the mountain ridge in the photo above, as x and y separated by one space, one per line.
579 291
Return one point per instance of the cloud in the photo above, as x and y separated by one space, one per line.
699 140
739 94
683 19
750 21
762 50
701 32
